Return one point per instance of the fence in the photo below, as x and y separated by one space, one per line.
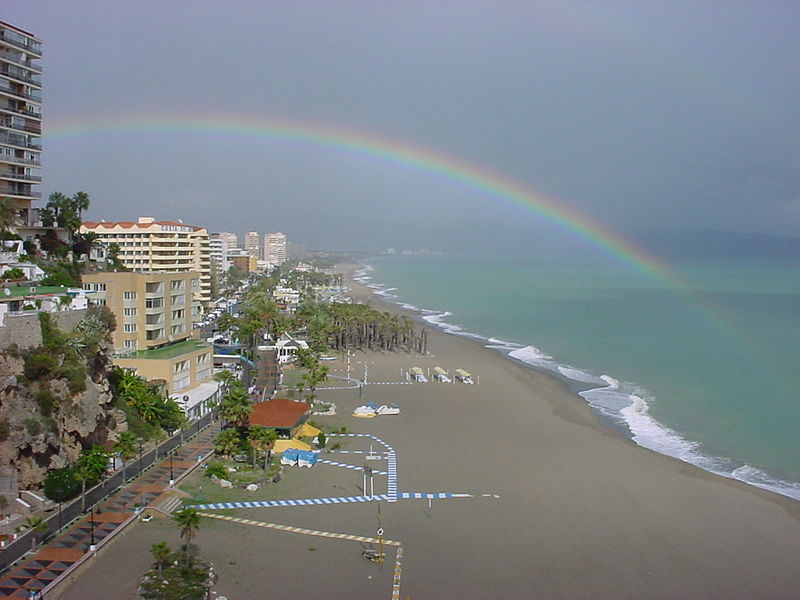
68 511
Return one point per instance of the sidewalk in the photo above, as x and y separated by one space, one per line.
37 571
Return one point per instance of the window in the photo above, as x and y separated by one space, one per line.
129 295
180 366
95 287
130 344
129 328
154 302
100 301
129 312
177 315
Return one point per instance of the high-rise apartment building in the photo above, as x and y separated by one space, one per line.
220 245
160 247
275 249
20 123
252 244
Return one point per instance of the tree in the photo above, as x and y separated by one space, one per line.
90 466
188 519
61 484
65 211
161 553
226 441
8 216
36 525
126 447
235 406
225 377
261 439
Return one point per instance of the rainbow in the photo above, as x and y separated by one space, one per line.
490 183
495 186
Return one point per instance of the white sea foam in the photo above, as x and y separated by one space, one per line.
620 401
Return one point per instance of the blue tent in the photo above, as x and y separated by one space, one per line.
289 456
306 458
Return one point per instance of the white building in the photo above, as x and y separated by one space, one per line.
275 249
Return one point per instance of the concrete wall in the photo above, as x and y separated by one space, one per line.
25 331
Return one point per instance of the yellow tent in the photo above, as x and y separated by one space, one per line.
281 445
308 431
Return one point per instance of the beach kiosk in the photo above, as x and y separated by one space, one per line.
464 377
285 416
439 374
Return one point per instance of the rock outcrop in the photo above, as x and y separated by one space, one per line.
37 435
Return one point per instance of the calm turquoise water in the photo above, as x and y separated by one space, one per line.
709 374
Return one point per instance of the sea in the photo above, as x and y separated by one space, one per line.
706 371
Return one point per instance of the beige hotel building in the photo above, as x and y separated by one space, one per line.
160 247
154 332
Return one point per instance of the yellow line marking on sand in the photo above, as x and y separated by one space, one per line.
398 569
327 534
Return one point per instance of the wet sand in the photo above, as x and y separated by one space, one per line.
581 512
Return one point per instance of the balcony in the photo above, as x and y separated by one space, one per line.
20 160
22 111
15 40
20 74
20 141
17 59
35 129
19 176
18 93
19 193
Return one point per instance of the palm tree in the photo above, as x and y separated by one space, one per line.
36 525
226 441
235 406
261 440
188 519
225 377
160 552
126 446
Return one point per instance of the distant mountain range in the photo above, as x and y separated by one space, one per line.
717 243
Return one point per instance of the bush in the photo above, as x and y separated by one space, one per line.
39 365
61 485
218 469
44 398
75 374
33 426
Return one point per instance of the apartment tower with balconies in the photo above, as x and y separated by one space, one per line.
20 122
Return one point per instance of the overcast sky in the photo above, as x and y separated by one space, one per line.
638 115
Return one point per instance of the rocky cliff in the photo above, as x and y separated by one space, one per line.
48 416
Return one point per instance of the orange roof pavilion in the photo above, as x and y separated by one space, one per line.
280 413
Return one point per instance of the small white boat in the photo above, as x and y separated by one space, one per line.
388 409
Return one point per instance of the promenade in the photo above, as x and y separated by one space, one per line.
50 565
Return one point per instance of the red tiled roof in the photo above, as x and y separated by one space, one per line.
278 412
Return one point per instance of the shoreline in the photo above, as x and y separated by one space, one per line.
546 502
674 445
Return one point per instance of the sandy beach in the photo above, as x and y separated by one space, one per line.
561 507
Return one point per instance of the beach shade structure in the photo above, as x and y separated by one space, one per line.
418 375
290 444
439 374
464 377
306 459
307 430
290 456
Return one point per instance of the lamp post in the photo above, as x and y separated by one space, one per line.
59 492
91 524
171 477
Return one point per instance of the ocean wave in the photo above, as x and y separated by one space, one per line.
621 402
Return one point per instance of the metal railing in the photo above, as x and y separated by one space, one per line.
21 42
71 510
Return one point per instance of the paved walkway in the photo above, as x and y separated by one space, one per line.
37 571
